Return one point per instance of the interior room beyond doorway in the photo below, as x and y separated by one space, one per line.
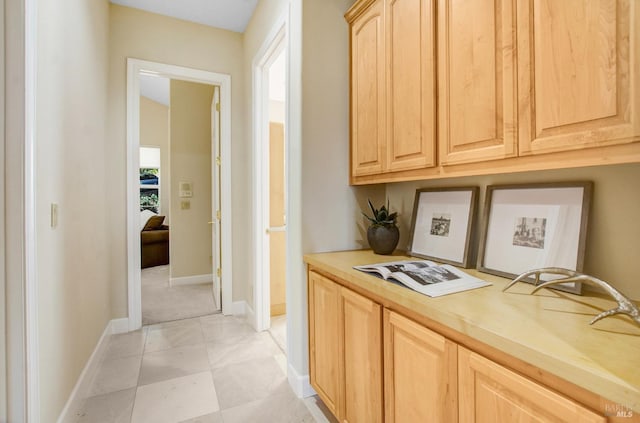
177 190
276 75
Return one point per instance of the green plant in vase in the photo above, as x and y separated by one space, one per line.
383 234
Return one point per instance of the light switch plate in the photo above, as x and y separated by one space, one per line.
54 215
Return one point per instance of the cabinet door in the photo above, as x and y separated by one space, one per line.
476 78
324 349
367 91
490 393
362 335
578 74
420 373
411 92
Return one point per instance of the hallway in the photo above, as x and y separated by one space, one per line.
210 369
162 302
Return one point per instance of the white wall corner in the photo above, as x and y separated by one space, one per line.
251 316
299 383
81 391
243 309
239 308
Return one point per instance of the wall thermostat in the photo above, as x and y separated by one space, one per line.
185 190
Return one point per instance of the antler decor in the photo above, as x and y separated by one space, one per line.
625 305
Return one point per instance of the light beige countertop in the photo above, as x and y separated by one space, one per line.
549 330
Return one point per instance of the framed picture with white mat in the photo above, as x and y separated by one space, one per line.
442 223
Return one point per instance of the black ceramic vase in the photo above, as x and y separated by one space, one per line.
383 239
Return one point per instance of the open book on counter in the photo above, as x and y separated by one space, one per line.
425 277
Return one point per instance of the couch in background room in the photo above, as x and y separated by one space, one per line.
154 241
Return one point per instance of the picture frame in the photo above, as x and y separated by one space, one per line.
533 226
442 224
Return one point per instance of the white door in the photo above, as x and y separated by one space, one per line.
216 252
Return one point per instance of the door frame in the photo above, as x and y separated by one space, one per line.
216 242
20 359
134 67
275 42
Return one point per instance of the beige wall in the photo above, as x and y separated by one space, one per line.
324 212
147 36
190 123
154 132
328 201
262 21
614 228
73 268
3 334
331 218
13 211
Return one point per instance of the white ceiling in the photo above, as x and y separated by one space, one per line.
233 15
155 87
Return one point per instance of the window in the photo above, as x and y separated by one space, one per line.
150 179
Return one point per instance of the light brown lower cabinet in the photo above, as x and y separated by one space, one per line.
426 377
490 392
420 381
324 351
345 351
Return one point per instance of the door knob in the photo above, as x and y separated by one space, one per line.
276 229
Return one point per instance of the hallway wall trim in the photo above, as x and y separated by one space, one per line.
134 68
191 280
81 390
299 383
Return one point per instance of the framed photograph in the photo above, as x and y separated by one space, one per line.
442 223
528 227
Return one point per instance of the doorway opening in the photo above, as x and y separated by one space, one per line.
188 189
179 137
270 147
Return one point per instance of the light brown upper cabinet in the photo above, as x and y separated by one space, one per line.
368 131
411 105
578 74
476 80
392 86
492 86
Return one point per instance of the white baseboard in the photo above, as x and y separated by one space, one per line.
300 384
83 385
191 280
239 308
120 325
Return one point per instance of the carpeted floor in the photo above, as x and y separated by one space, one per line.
161 303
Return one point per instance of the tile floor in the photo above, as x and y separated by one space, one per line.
211 369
